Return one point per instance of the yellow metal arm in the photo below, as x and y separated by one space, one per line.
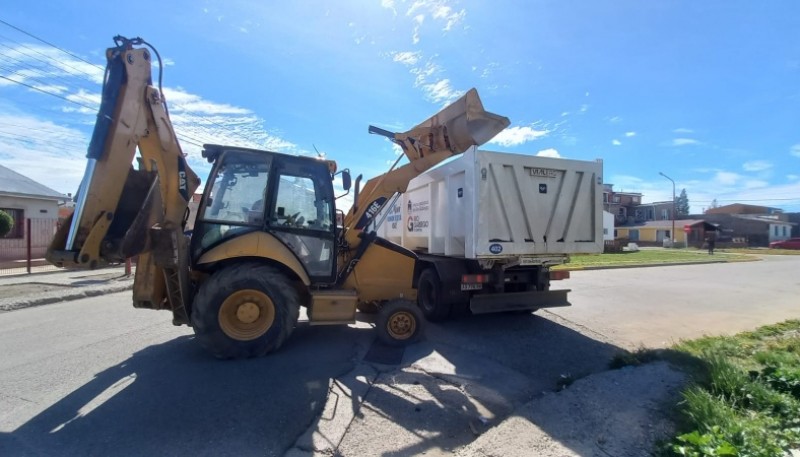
124 212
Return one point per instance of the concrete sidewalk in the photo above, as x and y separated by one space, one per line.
26 290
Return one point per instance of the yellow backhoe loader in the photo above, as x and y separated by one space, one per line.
265 242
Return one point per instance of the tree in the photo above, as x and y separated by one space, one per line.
682 204
6 223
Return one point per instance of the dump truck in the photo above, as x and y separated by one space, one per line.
489 226
265 242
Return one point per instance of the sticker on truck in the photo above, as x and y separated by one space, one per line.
495 248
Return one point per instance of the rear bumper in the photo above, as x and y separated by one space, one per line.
518 301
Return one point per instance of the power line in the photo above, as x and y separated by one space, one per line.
56 79
188 139
48 93
49 44
78 70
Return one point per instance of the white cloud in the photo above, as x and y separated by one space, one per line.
389 4
584 108
423 73
48 153
441 91
549 152
450 17
514 136
406 57
684 141
418 20
756 165
616 142
726 178
630 134
792 177
683 130
795 150
180 100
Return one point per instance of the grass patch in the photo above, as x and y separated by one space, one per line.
651 257
745 395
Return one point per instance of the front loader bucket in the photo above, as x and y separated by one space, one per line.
459 126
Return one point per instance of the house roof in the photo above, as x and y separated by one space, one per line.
13 183
742 208
667 224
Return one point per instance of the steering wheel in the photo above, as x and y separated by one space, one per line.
291 220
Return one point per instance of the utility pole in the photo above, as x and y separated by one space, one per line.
672 234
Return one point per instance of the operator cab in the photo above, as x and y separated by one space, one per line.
289 197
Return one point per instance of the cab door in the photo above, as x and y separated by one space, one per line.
300 212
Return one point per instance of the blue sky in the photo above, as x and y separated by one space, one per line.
707 92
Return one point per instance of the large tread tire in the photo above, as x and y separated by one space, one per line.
230 280
399 323
429 296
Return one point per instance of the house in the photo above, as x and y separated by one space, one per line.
25 199
752 229
653 233
656 211
620 204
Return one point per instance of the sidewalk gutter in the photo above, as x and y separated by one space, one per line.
43 289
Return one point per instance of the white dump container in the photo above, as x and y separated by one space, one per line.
486 204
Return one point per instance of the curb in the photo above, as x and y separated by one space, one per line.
649 265
15 304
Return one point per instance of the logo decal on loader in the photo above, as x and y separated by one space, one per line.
495 248
371 212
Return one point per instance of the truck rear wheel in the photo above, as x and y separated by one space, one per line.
399 323
429 296
244 310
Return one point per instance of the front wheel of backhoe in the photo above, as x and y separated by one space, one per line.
245 310
399 323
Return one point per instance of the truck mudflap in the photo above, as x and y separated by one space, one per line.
518 301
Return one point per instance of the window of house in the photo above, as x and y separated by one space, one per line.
636 199
18 216
605 198
621 211
633 235
784 231
776 230
650 214
616 198
665 214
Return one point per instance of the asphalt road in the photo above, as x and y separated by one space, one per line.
97 377
658 306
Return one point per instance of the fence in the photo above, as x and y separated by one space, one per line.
25 253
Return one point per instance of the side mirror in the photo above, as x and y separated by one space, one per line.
346 180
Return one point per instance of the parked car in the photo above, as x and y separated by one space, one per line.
791 243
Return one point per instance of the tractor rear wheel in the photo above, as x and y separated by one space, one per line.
244 310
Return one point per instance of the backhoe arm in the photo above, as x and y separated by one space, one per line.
453 130
124 211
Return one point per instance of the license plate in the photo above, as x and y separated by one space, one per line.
477 286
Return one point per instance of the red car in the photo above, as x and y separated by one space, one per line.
791 243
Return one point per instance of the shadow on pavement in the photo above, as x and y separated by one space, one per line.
173 399
467 376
